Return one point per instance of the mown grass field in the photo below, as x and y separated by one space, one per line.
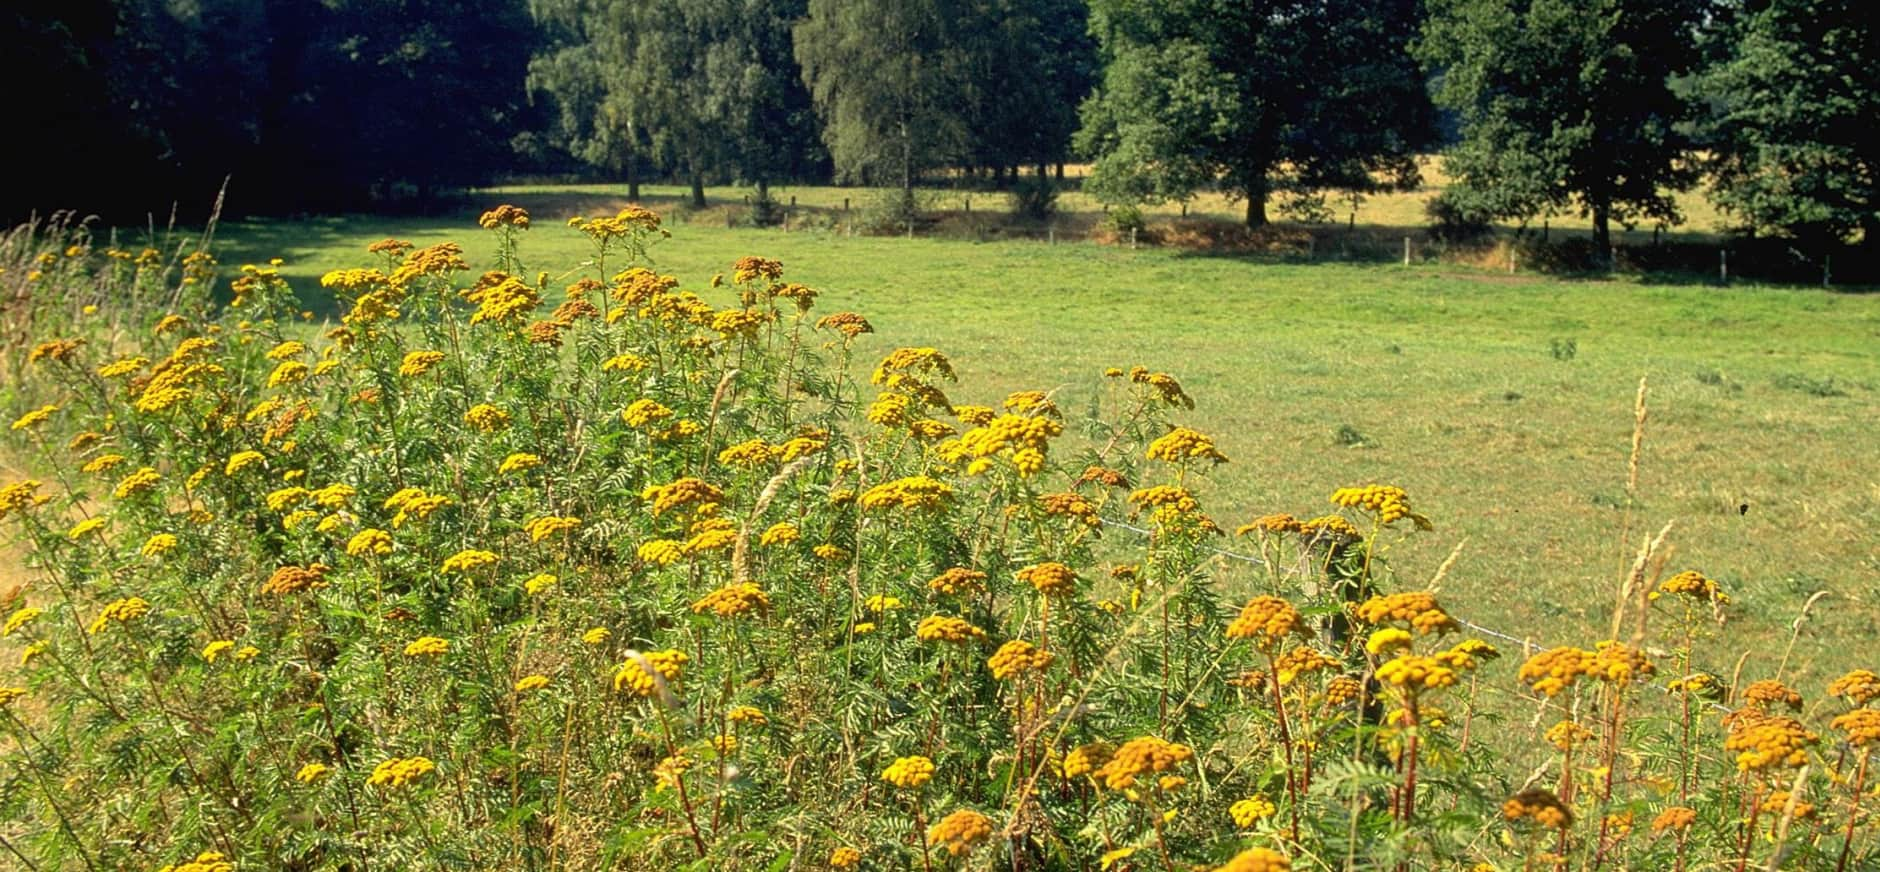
1504 404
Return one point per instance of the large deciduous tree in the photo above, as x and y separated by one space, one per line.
1566 103
706 87
1796 100
888 78
1255 97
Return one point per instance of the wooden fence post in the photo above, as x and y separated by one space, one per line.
1723 266
1406 251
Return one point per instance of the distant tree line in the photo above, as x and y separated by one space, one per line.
1602 108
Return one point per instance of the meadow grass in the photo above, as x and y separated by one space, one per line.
1503 403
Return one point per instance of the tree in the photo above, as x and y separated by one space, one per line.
1796 99
1028 65
1255 97
704 86
1565 103
887 78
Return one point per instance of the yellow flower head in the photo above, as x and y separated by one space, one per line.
122 611
1181 445
1540 806
733 600
1051 579
519 462
34 418
531 683
544 527
486 418
1017 657
1693 585
397 772
1139 756
19 619
1267 620
908 772
1257 860
960 832
468 559
370 542
941 628
427 646
645 675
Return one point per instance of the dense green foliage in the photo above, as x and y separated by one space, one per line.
1604 111
1289 96
1565 103
1797 100
299 105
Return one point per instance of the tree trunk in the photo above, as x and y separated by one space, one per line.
1060 171
1602 234
698 190
633 177
907 169
1256 205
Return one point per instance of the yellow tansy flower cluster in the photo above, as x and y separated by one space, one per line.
1016 657
122 611
1251 810
1693 584
960 832
427 646
1552 671
1257 860
733 600
683 492
1139 756
1415 609
207 861
1181 445
1860 686
942 628
1389 502
486 418
417 363
957 581
1540 806
1765 742
468 560
643 675
913 492
1266 620
544 527
398 772
293 579
1413 671
908 772
1050 578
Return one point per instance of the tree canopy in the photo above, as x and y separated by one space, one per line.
1796 97
1566 103
1258 97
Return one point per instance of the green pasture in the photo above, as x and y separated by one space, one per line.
1504 404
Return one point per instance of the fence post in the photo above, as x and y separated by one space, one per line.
845 217
1513 257
969 205
1723 266
1406 251
1827 270
1054 234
